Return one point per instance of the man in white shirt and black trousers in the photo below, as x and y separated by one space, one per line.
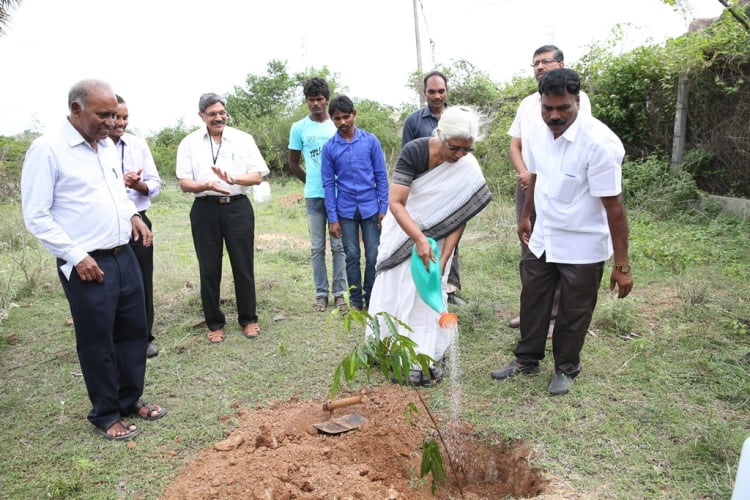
74 203
218 164
576 188
142 182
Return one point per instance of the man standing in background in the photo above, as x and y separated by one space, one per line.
355 181
421 123
218 164
306 138
142 182
528 117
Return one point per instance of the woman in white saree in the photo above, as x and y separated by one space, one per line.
437 187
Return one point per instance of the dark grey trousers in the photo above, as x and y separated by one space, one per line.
579 286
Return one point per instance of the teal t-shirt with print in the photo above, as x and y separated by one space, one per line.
309 136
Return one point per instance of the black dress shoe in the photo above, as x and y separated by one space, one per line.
561 384
512 369
456 300
151 350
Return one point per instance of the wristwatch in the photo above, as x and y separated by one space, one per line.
623 269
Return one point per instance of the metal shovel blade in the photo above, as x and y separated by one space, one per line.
341 424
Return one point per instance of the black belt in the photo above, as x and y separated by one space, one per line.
107 251
221 199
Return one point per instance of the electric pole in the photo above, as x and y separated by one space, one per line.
419 50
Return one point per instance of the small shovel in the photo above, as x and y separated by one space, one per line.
344 423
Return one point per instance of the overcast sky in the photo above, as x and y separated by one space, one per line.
160 55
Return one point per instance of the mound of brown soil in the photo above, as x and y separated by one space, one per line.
276 453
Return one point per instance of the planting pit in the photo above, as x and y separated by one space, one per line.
274 452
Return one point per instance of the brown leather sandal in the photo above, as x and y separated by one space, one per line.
320 304
130 429
136 409
251 331
216 336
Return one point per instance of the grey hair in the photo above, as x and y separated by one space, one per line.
80 91
459 122
209 99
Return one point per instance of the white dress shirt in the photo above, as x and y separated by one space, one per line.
573 172
134 155
73 197
237 154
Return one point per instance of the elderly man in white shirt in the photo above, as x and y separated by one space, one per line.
575 186
218 164
74 203
142 182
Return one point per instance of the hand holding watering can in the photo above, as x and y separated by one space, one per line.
429 284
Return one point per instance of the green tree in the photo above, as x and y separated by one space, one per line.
164 148
264 95
5 7
268 105
381 120
467 84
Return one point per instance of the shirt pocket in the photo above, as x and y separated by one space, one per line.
567 187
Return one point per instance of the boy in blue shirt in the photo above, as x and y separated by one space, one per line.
355 182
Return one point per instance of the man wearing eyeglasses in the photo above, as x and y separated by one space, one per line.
218 164
528 117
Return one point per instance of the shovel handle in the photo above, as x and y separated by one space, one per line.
340 403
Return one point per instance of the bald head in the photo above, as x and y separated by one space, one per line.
81 91
93 108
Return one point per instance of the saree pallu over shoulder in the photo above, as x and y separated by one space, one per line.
439 202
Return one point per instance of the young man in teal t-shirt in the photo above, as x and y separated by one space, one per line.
306 139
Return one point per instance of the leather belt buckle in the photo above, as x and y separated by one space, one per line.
225 199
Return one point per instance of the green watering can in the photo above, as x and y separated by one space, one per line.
429 285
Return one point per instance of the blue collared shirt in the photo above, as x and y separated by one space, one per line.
421 123
354 176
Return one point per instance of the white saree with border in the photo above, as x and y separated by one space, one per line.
439 202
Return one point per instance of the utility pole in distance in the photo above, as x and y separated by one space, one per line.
419 50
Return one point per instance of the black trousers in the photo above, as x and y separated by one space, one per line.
215 224
579 286
111 334
520 200
145 256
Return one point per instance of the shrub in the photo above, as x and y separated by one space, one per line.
651 185
164 149
12 151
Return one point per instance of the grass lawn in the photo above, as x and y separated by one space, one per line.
661 408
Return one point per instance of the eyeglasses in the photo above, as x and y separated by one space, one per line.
465 149
543 61
214 114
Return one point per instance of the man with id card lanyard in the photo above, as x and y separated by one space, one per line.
142 182
218 164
